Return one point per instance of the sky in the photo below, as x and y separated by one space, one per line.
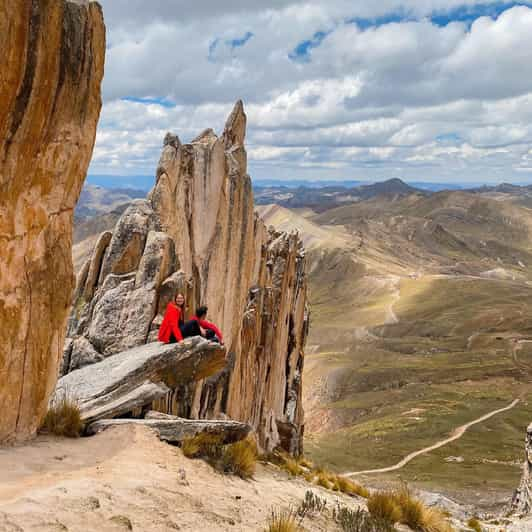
431 90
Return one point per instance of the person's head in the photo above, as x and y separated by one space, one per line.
201 312
180 300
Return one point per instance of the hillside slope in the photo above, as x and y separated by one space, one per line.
421 324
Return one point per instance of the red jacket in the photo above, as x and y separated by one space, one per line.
170 324
208 325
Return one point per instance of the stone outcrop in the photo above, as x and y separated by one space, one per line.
135 378
197 233
51 67
174 429
522 500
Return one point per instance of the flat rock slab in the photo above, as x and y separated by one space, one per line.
138 376
174 429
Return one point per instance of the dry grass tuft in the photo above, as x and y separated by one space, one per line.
412 509
203 445
435 520
323 479
282 521
63 418
401 506
240 458
351 488
383 505
304 462
291 466
474 524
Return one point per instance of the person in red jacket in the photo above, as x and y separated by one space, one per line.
211 331
198 325
170 329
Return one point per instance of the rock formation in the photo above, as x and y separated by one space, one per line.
197 233
174 429
51 69
522 500
135 378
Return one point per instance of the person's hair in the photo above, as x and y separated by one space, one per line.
184 298
201 311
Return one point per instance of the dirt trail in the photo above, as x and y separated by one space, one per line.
517 345
458 433
391 316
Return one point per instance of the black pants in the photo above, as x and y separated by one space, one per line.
190 328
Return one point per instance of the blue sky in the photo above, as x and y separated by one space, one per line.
439 90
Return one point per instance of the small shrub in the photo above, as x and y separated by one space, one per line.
474 524
383 505
240 458
63 418
311 505
282 521
351 488
360 521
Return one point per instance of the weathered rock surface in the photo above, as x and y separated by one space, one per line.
174 429
135 378
51 69
522 500
197 233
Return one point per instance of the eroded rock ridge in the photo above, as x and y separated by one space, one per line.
197 232
522 500
51 69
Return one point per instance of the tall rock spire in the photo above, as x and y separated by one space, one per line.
221 254
51 69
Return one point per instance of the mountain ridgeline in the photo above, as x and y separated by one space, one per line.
421 309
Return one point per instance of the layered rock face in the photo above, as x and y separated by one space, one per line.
522 500
51 68
197 233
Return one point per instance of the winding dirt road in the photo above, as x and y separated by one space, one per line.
457 433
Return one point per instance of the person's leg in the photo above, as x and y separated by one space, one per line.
210 335
191 328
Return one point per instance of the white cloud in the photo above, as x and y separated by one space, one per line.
360 103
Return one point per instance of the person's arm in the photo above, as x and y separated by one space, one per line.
208 325
174 322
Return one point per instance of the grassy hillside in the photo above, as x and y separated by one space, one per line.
419 325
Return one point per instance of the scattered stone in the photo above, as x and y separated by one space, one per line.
122 521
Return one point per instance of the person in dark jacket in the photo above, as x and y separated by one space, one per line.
199 326
173 321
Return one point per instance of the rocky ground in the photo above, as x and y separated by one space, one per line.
126 479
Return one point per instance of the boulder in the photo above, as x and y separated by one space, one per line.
137 377
51 70
174 429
